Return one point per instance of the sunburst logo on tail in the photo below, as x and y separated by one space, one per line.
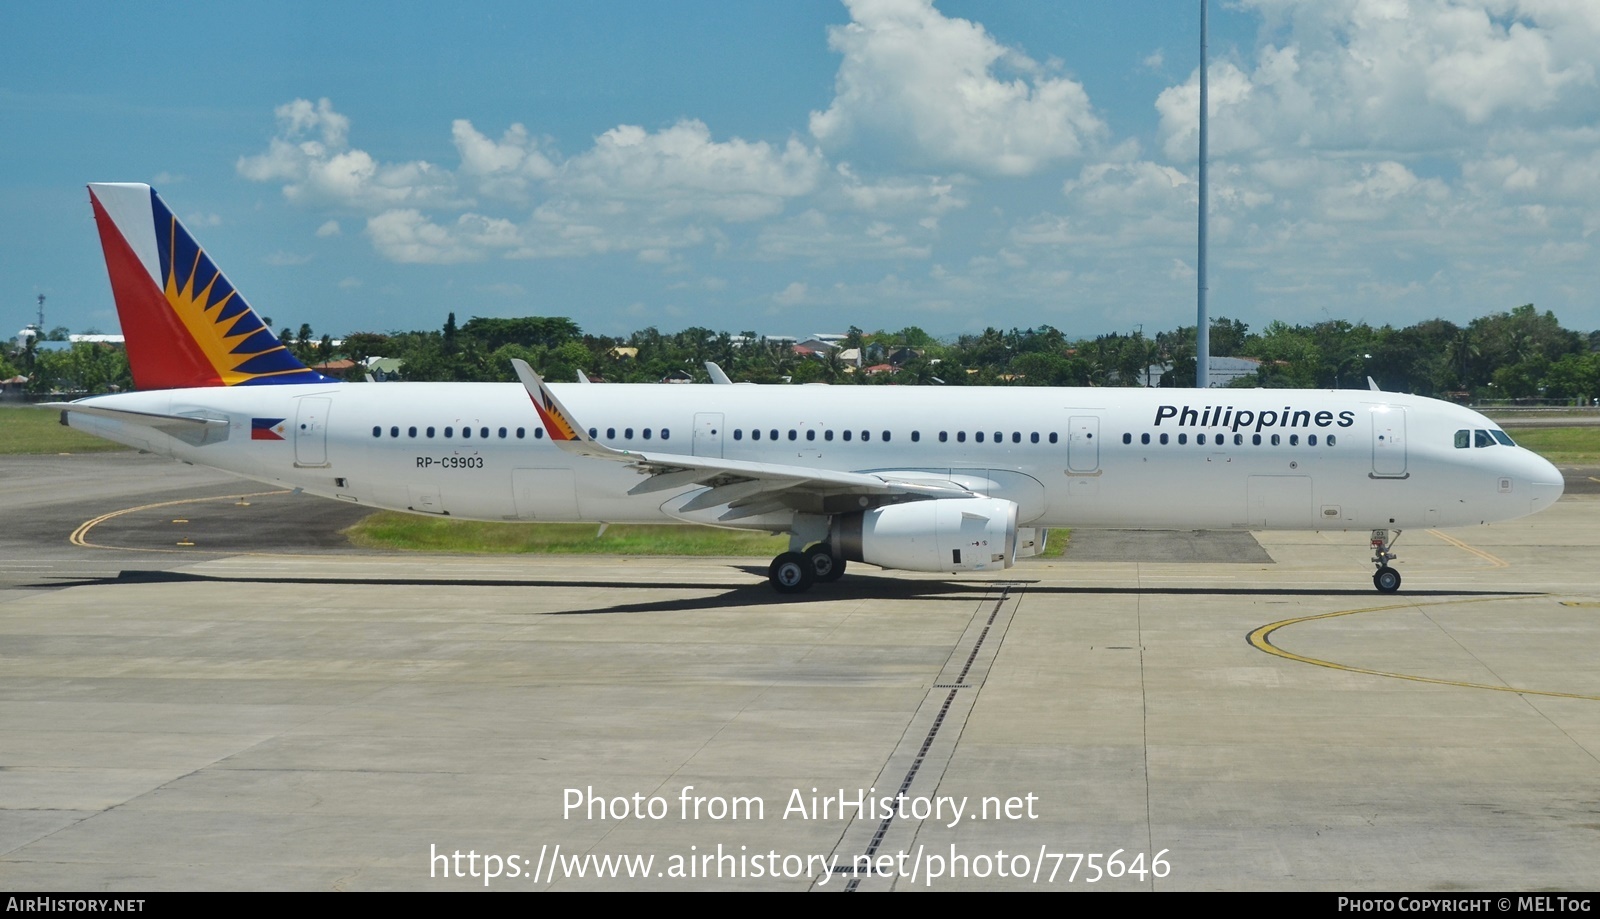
230 334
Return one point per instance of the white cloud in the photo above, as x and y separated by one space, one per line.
1413 75
331 228
929 195
680 170
405 235
311 156
503 168
793 295
946 92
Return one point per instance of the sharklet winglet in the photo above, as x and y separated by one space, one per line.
559 424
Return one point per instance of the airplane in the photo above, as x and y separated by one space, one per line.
950 479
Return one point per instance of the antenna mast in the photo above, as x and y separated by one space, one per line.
1202 329
40 326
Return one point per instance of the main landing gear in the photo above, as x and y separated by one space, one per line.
1386 579
795 572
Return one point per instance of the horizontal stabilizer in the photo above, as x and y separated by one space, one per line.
170 424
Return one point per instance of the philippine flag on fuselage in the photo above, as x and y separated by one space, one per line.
266 428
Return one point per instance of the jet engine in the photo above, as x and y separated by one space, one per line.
946 534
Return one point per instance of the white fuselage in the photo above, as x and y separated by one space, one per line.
1262 459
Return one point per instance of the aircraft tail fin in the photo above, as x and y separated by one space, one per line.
184 324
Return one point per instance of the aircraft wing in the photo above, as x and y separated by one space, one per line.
748 488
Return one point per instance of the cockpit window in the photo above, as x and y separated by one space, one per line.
1503 437
1463 439
1481 438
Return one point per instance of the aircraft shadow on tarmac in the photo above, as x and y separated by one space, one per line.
760 593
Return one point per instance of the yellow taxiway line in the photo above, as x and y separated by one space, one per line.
1494 560
79 536
1261 640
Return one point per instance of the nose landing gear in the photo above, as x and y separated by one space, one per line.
1386 579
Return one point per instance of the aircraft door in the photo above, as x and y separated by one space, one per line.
1389 443
1083 444
1280 502
544 494
311 431
708 434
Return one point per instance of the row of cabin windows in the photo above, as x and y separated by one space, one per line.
483 433
627 433
1482 438
888 436
450 432
1238 439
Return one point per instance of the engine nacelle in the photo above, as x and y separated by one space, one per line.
946 534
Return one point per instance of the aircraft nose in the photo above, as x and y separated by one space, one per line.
1545 484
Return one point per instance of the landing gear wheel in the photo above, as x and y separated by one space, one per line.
1386 579
824 564
791 573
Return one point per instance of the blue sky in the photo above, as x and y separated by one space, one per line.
805 166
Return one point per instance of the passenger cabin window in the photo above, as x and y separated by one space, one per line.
538 433
1053 437
1144 438
916 436
1034 438
1183 439
1163 438
1127 438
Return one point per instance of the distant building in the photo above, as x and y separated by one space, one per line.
1223 371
